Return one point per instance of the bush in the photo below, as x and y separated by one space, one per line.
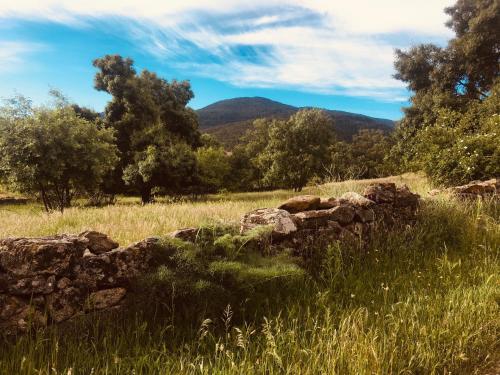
54 154
461 147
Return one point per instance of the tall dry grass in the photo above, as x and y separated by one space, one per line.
128 221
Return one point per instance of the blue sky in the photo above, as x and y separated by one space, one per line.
327 53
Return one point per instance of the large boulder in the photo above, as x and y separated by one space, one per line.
301 203
281 221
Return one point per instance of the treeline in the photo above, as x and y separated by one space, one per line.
148 141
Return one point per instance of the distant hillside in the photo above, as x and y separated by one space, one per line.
228 120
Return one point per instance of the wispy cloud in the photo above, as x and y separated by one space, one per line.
340 47
14 54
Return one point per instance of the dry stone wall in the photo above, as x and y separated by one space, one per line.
351 217
53 279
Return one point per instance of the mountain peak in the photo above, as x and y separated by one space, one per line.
229 119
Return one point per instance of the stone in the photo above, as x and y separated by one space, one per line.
301 203
355 199
343 214
28 257
98 242
59 276
18 314
326 204
64 283
281 221
319 218
186 234
364 215
63 305
478 188
405 198
39 284
312 219
105 299
382 192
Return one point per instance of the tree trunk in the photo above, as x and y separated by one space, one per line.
146 195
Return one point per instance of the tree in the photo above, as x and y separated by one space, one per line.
297 149
213 168
448 80
170 167
364 157
150 115
462 146
53 153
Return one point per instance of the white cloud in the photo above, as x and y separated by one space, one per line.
13 54
330 46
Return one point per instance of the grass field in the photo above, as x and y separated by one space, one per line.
421 301
128 221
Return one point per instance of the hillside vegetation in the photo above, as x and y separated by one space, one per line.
229 120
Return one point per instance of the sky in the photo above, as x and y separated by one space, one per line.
335 54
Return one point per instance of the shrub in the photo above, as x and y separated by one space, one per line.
54 154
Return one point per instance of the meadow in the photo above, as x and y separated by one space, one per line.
423 300
128 221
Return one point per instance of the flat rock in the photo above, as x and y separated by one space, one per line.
318 218
301 203
281 221
186 234
355 199
99 242
328 203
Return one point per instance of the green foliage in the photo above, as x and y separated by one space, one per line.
152 123
213 168
462 146
297 149
221 266
364 157
447 131
53 153
174 162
